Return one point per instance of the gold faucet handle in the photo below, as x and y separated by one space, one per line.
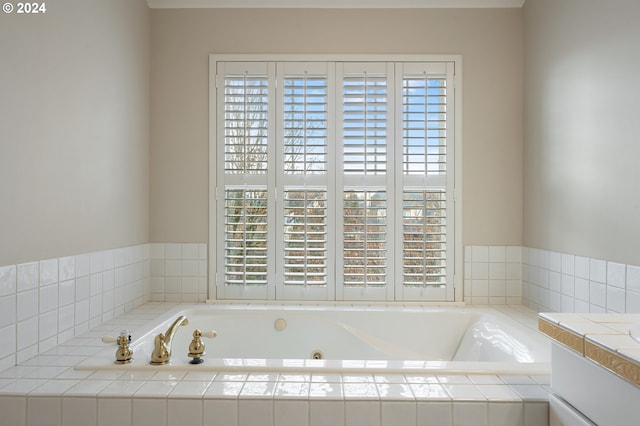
109 339
124 354
117 340
208 334
196 348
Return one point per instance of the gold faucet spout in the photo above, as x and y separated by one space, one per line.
171 331
162 352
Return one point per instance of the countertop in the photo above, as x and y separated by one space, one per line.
602 338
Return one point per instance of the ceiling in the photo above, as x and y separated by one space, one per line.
391 4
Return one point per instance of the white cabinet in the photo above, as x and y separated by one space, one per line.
562 414
603 397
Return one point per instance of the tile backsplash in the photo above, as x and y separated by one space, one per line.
549 281
178 272
492 275
560 282
47 302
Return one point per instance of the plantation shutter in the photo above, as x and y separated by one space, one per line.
246 226
365 237
246 116
333 180
424 235
364 121
305 114
424 124
365 268
305 108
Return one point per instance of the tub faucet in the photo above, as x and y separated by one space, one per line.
162 351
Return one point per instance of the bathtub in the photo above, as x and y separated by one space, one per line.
342 339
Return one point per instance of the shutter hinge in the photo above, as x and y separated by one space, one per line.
216 81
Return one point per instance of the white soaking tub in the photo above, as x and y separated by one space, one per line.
389 339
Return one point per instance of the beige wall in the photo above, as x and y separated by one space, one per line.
582 146
74 117
489 40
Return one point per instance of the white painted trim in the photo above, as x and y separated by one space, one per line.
341 57
334 4
213 190
458 259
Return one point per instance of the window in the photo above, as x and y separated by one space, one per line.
332 180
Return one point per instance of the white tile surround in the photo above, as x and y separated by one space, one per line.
53 311
492 275
560 282
548 281
47 302
178 272
46 390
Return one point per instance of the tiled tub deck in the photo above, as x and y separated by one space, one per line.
47 390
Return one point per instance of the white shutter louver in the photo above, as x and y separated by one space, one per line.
365 123
365 237
246 106
424 226
245 239
305 237
424 129
305 124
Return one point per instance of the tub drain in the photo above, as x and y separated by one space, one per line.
317 354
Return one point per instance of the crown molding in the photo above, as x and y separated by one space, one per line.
334 4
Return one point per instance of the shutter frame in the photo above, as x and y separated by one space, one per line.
375 175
